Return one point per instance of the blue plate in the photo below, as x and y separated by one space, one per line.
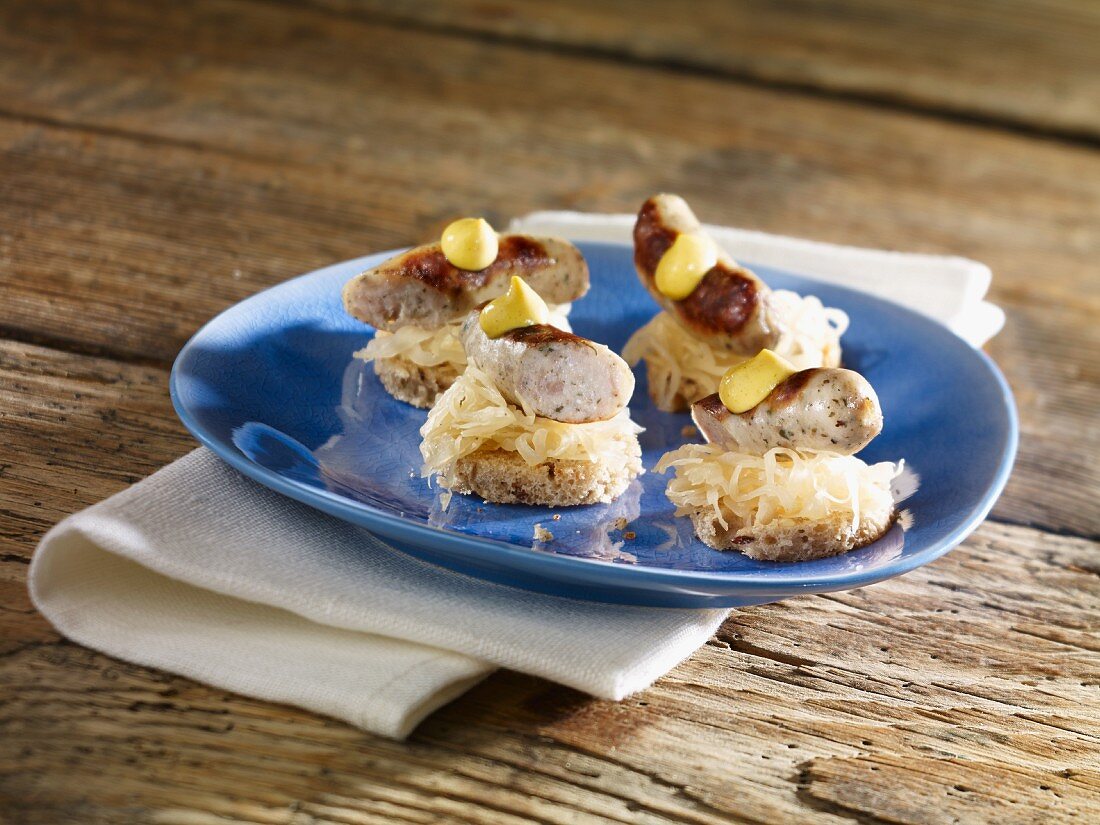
271 387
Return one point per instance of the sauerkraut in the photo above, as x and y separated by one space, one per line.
424 347
811 335
472 414
432 347
782 488
681 366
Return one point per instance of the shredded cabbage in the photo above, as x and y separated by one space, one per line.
781 488
679 364
811 337
432 347
472 413
424 347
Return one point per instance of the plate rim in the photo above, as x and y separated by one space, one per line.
575 568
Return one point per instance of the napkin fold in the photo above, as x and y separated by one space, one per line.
200 571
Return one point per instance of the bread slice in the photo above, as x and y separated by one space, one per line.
503 477
412 383
800 541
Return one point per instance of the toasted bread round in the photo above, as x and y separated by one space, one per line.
503 477
412 383
799 542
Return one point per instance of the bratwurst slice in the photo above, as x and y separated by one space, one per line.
421 287
821 409
556 374
729 309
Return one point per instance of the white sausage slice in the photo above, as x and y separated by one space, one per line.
730 308
421 287
820 409
557 374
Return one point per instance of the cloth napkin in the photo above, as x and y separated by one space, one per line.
200 571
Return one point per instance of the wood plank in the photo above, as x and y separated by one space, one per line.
409 113
1051 357
962 690
1028 63
117 246
125 246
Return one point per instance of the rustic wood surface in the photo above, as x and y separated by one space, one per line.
1024 65
160 162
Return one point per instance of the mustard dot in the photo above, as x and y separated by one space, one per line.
470 243
684 265
519 307
747 384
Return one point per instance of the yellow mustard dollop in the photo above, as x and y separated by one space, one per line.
683 266
470 243
519 307
747 384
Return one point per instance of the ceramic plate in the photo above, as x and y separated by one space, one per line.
271 386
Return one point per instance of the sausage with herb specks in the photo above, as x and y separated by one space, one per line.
554 373
422 288
820 409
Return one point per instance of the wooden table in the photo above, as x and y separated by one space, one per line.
158 163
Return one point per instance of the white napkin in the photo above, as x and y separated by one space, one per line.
200 571
947 288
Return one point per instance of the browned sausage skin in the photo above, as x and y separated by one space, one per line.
729 309
821 409
421 287
554 373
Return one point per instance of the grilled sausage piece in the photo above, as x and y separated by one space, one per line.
421 287
729 309
822 409
557 374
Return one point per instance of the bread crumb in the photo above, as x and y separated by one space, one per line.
630 535
542 534
619 524
556 517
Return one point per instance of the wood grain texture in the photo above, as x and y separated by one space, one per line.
965 690
159 162
1029 64
409 116
287 139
